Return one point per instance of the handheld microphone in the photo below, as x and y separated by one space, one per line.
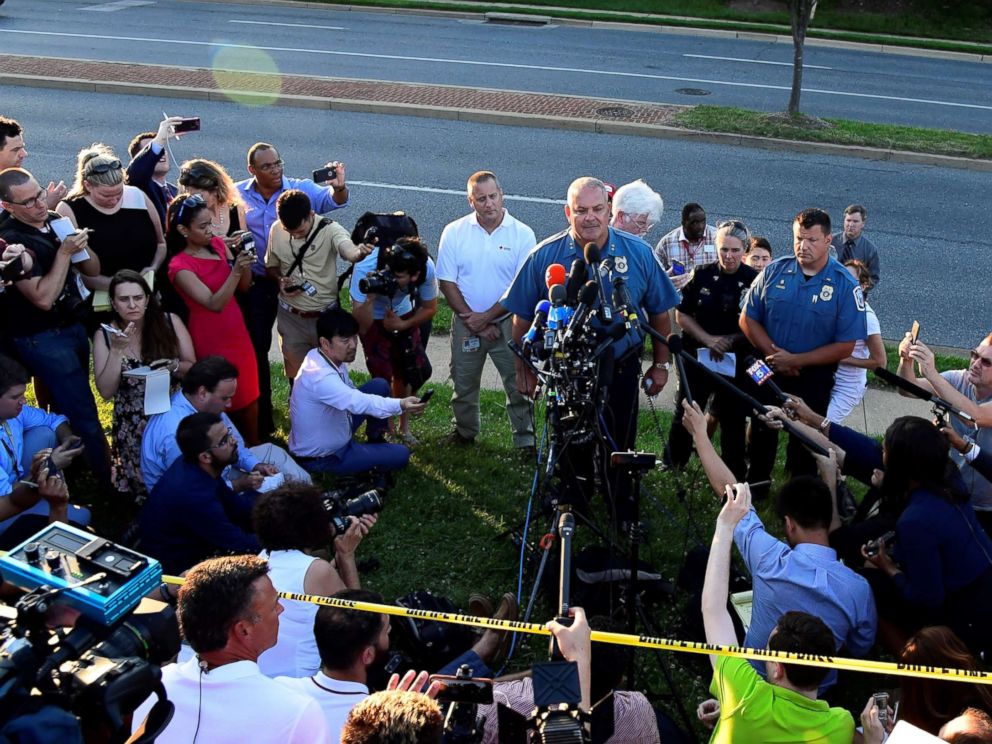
559 315
762 376
554 275
576 278
594 257
587 298
537 327
621 300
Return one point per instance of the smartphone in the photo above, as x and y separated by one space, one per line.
323 175
110 329
882 703
192 124
13 270
72 443
427 396
873 546
678 268
915 332
473 690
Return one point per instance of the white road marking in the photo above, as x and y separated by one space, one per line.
755 61
510 65
292 25
456 192
118 5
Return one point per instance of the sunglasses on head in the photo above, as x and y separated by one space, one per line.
100 168
192 202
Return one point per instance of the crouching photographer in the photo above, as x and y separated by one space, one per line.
293 525
394 292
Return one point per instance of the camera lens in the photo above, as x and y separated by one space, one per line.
369 502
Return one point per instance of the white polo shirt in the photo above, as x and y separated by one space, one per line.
233 704
336 698
482 265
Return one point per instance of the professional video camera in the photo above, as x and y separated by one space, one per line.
343 504
108 663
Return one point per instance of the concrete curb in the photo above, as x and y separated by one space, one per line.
728 33
599 126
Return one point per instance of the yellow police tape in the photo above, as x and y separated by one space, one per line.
662 644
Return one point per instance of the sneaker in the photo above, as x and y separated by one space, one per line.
457 439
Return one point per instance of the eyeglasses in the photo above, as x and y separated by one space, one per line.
643 222
101 168
192 202
33 201
987 363
266 167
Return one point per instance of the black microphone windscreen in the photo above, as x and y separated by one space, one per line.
576 276
557 294
591 253
588 293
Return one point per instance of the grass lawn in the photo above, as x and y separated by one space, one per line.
836 131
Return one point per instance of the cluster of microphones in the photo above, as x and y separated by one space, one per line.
577 312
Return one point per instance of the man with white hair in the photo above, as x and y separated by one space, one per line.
636 208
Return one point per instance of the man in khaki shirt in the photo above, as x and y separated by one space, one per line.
302 257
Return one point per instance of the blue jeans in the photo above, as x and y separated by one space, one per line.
39 438
61 358
355 457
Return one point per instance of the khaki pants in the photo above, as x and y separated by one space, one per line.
466 376
297 336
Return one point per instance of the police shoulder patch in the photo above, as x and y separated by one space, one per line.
859 299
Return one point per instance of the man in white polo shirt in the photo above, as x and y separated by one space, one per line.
478 256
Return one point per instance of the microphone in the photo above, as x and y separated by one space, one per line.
576 278
762 376
537 327
593 257
592 254
621 300
587 298
559 315
554 274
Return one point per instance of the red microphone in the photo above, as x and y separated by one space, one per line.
555 274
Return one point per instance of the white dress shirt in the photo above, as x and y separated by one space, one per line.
233 704
321 405
336 698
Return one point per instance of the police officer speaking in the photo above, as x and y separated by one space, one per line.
804 315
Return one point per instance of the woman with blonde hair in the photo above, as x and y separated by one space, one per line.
127 233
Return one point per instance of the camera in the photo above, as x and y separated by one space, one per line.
380 282
341 507
306 287
463 693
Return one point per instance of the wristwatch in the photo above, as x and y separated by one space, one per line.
663 365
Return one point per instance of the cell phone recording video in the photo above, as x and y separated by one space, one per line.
427 396
13 270
191 124
914 334
678 268
323 175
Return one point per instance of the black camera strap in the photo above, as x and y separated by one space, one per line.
322 222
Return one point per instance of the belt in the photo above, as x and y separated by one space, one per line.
303 313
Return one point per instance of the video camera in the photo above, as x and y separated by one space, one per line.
108 664
396 258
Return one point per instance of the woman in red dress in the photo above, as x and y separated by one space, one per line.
205 274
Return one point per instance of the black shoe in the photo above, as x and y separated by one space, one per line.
457 439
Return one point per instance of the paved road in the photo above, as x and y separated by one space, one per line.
927 221
596 62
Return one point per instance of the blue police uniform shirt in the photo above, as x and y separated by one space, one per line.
401 303
802 313
624 255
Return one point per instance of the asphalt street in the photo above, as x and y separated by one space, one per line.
630 65
928 222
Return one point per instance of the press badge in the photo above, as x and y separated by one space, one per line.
472 343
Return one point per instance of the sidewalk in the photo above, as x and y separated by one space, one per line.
879 408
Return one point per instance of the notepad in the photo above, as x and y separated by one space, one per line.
157 398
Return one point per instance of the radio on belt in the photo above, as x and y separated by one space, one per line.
62 556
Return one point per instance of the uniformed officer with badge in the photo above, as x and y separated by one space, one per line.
649 288
804 314
708 315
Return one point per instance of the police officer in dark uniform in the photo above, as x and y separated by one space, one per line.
804 314
709 316
651 292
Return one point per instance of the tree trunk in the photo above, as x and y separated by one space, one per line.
800 13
